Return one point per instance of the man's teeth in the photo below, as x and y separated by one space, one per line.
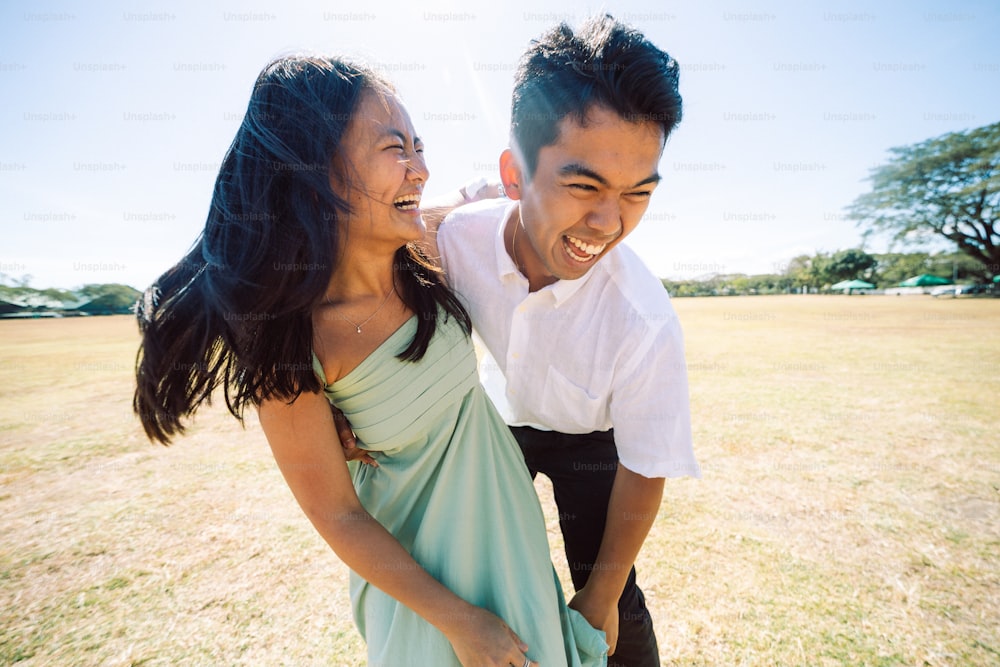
587 248
407 202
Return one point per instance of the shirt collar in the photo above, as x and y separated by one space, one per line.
505 265
506 270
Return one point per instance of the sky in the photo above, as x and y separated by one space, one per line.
115 117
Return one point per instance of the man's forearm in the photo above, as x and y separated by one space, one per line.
435 210
632 508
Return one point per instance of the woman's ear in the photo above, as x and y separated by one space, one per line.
510 174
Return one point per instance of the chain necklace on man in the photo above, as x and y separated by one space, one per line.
513 246
384 301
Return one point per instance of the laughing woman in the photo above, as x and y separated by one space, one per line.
307 287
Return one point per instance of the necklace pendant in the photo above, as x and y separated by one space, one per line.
357 327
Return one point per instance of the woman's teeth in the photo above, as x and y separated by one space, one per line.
407 202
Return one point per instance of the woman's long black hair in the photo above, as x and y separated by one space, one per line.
237 310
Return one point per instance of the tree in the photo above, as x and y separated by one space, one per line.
799 271
806 271
108 299
959 266
848 265
43 299
92 291
108 304
948 186
826 269
895 267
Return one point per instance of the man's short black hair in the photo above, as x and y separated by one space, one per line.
605 63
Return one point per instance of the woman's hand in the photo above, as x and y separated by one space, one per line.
481 639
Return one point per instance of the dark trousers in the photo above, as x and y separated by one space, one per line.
582 469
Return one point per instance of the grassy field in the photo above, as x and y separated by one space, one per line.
849 512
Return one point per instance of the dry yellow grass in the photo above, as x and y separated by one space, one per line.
849 511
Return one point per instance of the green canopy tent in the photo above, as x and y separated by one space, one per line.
851 285
924 280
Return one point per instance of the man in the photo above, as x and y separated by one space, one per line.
591 376
585 354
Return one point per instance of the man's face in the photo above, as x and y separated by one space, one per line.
589 191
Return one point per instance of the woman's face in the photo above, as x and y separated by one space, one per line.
380 171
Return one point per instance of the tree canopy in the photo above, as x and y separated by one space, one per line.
850 264
946 187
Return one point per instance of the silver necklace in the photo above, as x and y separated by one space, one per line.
358 326
513 245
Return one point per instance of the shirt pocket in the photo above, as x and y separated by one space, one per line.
570 408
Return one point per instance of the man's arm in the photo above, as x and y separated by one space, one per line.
347 439
435 210
632 509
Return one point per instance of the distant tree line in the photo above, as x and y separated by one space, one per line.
816 273
19 299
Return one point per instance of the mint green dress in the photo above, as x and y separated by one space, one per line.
452 487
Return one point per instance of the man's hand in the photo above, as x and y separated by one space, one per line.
632 510
348 441
601 614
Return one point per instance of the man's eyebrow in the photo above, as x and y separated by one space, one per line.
577 169
651 180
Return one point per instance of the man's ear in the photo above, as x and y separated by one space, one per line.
511 174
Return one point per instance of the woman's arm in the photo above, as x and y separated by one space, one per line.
307 450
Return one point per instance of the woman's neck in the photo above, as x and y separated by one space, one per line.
359 276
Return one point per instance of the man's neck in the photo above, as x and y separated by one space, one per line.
519 250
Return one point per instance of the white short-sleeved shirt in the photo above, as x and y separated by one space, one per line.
605 350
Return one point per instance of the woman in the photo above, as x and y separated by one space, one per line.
307 286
